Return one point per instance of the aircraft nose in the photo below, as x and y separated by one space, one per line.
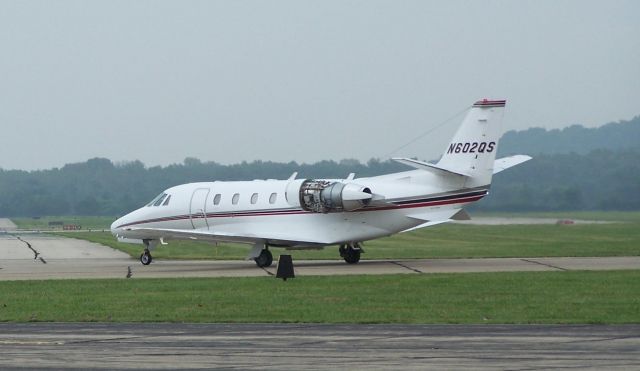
114 226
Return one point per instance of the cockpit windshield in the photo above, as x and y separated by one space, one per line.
158 200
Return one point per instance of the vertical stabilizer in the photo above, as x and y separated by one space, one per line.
472 150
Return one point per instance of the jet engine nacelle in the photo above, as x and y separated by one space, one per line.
322 196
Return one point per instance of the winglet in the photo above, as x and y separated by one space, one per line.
293 176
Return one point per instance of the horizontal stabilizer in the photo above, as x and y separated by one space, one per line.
507 162
438 170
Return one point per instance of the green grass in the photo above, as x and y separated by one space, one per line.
516 297
443 241
523 297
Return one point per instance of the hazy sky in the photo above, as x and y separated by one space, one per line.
229 81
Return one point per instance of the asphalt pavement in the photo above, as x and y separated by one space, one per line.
318 347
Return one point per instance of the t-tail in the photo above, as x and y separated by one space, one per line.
472 151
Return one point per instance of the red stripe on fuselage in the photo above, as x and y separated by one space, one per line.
459 200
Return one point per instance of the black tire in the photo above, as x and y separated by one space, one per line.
351 255
265 259
146 258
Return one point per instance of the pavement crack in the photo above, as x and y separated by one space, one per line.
269 273
406 267
545 264
35 252
107 340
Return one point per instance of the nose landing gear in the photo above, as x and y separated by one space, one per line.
145 257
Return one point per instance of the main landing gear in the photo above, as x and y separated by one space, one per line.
351 252
260 254
265 259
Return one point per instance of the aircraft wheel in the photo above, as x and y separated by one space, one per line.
264 259
351 255
146 258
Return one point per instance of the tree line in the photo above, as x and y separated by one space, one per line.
575 168
599 180
613 136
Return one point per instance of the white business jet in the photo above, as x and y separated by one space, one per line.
314 213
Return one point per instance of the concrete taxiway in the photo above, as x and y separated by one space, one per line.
7 225
307 346
37 256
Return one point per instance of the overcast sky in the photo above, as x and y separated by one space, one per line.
228 81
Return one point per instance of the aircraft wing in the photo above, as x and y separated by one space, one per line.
222 236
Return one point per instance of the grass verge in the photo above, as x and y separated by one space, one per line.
523 297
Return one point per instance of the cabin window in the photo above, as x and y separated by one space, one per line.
254 198
235 198
166 202
216 199
273 198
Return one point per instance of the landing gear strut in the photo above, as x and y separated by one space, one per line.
351 252
264 259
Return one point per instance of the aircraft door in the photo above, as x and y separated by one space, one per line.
198 208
